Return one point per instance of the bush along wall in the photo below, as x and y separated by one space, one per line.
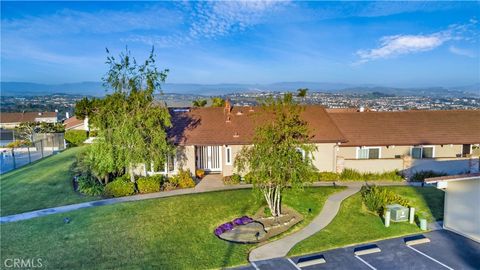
75 137
353 175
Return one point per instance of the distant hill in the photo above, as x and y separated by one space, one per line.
97 89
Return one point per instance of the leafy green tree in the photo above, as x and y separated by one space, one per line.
84 108
131 125
280 156
26 130
302 92
218 102
199 103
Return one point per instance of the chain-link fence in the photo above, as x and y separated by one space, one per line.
44 146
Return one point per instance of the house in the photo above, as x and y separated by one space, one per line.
408 141
210 138
73 123
462 199
12 120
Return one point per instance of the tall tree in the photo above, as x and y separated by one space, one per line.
302 92
199 103
218 102
280 156
131 125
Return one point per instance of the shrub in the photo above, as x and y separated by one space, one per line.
326 176
120 187
230 225
232 179
182 180
75 137
248 178
89 186
150 183
18 143
350 174
199 173
167 186
376 198
421 175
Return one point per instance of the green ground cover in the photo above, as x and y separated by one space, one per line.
43 184
167 233
354 224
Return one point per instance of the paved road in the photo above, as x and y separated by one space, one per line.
281 247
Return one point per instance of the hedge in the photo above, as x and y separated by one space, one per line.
75 137
150 183
120 187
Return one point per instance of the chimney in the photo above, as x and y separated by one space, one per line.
236 135
67 115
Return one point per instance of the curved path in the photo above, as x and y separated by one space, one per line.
281 247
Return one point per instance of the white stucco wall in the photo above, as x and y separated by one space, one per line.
324 157
374 165
462 202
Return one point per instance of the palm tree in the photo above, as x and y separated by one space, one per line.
199 103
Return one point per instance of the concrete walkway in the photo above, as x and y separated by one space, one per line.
214 184
140 197
281 247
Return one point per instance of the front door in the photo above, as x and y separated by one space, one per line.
209 158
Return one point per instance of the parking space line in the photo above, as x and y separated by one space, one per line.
294 264
418 251
365 262
254 265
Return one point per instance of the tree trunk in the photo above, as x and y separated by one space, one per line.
273 197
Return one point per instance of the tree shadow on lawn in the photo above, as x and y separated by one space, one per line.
434 200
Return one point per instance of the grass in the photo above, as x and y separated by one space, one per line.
43 184
167 233
354 224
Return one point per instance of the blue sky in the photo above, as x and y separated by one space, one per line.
385 43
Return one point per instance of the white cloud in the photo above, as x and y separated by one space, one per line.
69 21
462 52
213 19
392 46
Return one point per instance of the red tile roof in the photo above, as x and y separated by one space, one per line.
409 127
72 122
214 126
24 117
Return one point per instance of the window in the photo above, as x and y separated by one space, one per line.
368 152
419 152
228 155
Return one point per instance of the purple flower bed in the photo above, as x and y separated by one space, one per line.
230 225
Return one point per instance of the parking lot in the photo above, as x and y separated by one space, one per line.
446 250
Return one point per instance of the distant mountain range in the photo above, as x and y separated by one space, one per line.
97 89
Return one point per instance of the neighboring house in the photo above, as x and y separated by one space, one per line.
408 140
12 120
210 138
73 123
462 199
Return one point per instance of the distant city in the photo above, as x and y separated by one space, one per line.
375 101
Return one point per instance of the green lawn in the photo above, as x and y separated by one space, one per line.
43 184
354 224
173 233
